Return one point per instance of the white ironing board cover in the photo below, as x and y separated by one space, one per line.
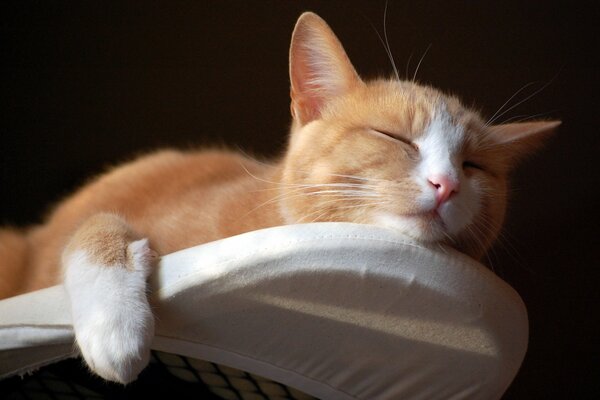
337 310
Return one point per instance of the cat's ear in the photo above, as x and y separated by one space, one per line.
319 68
522 138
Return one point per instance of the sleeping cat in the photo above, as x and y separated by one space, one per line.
384 152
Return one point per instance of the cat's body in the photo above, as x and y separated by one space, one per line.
176 199
385 152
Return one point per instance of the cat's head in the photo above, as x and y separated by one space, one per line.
393 153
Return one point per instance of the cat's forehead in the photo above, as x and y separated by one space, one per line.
419 106
442 131
407 108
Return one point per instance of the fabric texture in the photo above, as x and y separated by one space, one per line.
336 310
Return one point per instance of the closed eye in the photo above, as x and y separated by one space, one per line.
472 165
397 137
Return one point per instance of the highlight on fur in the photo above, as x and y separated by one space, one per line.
380 152
385 152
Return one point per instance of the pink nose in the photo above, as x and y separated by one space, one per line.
445 187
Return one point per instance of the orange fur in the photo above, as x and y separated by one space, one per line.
14 251
105 238
179 199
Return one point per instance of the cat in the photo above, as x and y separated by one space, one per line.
385 152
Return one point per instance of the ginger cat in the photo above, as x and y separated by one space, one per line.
384 152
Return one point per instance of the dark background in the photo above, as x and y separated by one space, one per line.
87 84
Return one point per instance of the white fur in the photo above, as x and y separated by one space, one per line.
406 225
440 151
112 319
439 147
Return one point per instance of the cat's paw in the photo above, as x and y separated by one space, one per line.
117 347
142 256
113 322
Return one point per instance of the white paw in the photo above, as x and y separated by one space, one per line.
113 323
116 346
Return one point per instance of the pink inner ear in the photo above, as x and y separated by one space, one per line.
306 109
319 67
517 131
522 138
307 97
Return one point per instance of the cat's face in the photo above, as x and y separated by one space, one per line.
392 153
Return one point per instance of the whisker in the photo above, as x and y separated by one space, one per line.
524 100
270 201
387 43
297 186
328 193
362 178
450 238
307 185
354 177
337 195
322 211
340 184
408 64
442 248
420 61
348 199
474 234
336 184
491 119
343 193
488 256
523 118
506 243
256 177
363 205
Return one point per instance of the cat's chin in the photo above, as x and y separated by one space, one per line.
424 227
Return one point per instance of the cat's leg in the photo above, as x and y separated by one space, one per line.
106 267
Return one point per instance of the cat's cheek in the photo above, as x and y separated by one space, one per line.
423 228
403 225
461 210
426 200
